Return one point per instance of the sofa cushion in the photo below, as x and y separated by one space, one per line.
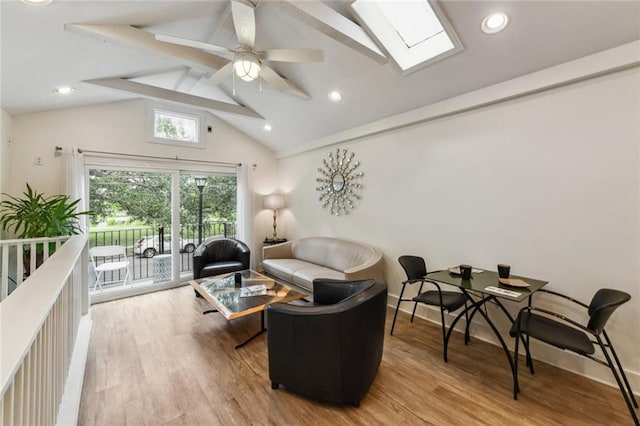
332 252
284 268
304 277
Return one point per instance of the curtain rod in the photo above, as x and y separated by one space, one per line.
88 151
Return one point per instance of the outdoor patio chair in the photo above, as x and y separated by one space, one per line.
113 258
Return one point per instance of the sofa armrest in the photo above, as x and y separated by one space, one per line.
200 259
243 254
277 251
373 268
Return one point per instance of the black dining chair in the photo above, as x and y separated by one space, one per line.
416 270
564 333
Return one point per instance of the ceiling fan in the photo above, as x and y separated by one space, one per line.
247 62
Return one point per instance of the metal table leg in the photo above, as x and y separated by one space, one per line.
262 330
476 307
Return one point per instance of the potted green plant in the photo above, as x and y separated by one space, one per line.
36 215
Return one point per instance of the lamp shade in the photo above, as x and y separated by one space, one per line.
274 201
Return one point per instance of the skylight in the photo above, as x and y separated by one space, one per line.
414 32
414 21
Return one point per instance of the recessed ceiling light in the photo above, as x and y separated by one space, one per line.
64 90
37 2
495 23
267 127
335 96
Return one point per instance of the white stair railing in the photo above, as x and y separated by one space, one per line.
13 271
38 329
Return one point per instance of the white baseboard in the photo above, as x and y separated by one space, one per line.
558 358
70 404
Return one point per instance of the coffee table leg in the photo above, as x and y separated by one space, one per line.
262 330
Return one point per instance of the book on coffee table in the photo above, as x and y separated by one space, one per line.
254 290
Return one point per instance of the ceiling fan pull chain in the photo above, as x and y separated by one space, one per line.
233 74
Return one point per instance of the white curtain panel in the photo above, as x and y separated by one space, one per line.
245 209
75 182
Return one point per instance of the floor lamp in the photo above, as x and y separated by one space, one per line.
274 202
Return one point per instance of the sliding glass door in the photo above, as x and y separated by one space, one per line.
131 209
159 217
207 208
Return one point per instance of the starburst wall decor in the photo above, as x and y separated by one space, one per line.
338 189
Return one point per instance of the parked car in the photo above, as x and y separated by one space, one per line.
150 246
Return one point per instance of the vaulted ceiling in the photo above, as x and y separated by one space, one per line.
42 51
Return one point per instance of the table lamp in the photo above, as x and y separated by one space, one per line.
274 202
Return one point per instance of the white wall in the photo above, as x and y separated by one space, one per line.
5 149
120 127
5 153
547 183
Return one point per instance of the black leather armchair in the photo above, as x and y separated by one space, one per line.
218 256
330 350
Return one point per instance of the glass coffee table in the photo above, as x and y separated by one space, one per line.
252 294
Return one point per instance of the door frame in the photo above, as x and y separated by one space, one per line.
174 168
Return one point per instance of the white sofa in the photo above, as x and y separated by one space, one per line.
300 261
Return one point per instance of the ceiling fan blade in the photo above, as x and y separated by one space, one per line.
273 78
221 74
244 21
191 43
293 55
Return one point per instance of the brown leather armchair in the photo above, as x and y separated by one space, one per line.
332 349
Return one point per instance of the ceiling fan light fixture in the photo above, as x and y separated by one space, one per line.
246 65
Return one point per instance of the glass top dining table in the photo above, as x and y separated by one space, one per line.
484 286
485 281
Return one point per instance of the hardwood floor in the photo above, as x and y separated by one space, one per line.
156 360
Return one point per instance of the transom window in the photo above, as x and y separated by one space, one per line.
175 126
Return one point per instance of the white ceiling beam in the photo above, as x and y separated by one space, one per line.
294 89
221 26
332 24
153 92
132 36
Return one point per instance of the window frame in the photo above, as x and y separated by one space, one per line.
199 116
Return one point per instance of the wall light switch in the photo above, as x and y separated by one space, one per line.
37 160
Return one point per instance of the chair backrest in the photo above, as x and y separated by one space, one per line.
414 266
604 302
334 253
328 292
221 249
107 251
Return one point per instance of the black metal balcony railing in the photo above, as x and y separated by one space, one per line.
143 244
